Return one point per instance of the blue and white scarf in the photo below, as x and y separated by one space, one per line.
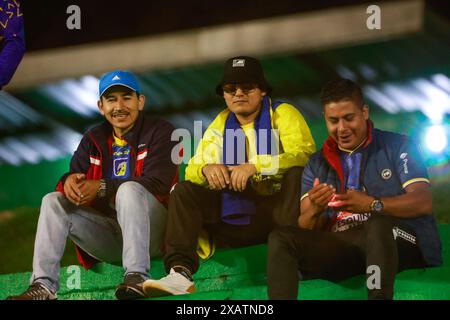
237 207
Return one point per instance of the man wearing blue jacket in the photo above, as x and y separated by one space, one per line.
113 201
366 206
12 39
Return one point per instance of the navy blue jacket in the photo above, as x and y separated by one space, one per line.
151 165
390 163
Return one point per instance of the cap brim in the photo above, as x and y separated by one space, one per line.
117 84
266 87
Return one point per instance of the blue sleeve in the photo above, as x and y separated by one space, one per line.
308 183
307 180
12 39
409 163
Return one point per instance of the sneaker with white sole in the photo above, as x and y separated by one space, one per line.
172 284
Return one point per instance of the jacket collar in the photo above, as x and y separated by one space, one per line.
103 133
330 151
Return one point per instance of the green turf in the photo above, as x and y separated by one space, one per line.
240 274
18 230
235 274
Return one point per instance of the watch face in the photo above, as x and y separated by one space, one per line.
378 206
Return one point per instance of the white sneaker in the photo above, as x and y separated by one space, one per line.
172 284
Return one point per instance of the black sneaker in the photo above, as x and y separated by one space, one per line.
37 291
131 288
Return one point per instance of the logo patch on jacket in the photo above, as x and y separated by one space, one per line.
121 168
403 156
386 174
142 155
121 161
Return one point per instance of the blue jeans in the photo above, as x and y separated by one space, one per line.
135 235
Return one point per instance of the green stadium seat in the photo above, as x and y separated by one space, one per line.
240 274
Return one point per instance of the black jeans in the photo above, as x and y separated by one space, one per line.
336 256
192 208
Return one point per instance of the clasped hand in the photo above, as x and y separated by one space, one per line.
235 178
80 190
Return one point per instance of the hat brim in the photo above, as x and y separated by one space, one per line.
117 84
264 86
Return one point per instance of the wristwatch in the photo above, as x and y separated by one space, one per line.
101 192
377 205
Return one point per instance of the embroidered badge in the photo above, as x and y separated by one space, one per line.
386 174
120 167
238 63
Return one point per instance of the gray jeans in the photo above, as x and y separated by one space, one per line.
132 238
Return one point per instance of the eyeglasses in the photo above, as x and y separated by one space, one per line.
246 88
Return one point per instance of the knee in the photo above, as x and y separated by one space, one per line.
52 203
181 189
129 190
51 199
294 173
281 237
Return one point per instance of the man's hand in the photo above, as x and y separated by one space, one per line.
312 206
217 176
320 195
89 189
72 188
240 175
354 201
80 191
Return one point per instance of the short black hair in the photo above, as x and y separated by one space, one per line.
341 89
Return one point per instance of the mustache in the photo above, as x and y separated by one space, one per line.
119 113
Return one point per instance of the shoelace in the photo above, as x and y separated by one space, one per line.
134 278
37 292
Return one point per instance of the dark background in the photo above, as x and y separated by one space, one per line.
101 20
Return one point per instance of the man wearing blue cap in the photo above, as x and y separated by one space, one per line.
112 203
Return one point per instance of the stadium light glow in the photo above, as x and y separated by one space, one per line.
436 138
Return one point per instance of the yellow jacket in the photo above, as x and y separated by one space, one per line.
296 146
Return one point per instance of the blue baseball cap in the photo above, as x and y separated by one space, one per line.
118 78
